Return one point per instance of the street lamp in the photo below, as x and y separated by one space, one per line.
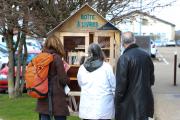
140 17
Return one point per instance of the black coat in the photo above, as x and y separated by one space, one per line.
134 78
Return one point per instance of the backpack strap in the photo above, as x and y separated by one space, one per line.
50 94
50 105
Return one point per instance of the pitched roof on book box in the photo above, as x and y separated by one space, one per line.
84 19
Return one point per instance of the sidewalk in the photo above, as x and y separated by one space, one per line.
167 107
166 95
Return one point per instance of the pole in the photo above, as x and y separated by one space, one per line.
175 64
140 18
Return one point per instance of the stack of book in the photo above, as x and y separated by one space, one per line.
75 57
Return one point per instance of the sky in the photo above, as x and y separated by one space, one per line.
170 14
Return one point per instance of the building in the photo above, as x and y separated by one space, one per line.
144 24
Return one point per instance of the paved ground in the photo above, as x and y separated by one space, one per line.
167 107
167 96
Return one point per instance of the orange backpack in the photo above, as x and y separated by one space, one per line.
36 76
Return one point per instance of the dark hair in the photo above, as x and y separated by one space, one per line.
95 52
82 60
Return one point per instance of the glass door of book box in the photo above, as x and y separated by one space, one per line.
104 42
74 48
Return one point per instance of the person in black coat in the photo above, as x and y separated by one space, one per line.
134 78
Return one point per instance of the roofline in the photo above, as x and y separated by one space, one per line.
51 31
146 14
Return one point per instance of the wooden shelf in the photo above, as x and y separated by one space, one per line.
79 48
72 72
105 48
74 65
73 78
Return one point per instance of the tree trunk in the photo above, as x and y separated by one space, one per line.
19 68
24 62
9 40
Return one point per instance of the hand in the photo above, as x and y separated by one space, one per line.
66 66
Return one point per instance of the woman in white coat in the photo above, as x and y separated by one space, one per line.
97 82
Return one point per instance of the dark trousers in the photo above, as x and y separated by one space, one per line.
146 118
97 119
47 117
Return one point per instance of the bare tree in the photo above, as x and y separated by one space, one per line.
122 11
13 22
46 14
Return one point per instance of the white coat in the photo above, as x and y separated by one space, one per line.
97 92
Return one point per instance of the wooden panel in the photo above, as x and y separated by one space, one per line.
112 50
86 44
84 20
74 34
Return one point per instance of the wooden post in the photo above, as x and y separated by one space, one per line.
175 64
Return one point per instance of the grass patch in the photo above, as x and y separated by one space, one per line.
22 108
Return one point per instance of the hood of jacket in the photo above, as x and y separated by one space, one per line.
92 64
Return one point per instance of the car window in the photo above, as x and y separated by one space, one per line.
29 58
3 49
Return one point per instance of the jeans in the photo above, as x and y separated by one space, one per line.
47 117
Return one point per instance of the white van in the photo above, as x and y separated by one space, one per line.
153 49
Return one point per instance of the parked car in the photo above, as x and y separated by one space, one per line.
153 49
3 48
158 43
3 58
33 44
171 43
3 55
177 42
4 72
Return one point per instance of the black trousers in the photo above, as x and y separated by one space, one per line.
47 117
96 119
